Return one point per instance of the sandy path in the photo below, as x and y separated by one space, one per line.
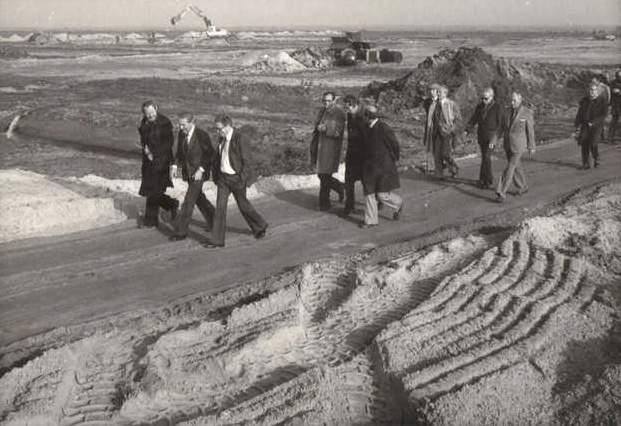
61 281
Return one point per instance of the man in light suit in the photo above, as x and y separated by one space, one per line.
194 156
233 173
446 119
519 136
326 147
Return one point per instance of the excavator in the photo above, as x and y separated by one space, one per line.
211 31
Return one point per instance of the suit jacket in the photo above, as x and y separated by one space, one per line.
326 146
356 128
519 130
158 137
239 157
590 119
429 107
196 153
489 122
381 154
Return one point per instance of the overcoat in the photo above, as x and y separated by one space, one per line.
158 137
381 154
326 146
590 119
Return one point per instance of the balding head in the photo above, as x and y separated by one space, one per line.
488 95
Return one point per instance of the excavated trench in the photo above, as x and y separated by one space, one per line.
416 338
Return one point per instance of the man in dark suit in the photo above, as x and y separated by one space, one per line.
194 156
354 157
380 176
156 140
589 124
429 105
519 136
487 117
232 173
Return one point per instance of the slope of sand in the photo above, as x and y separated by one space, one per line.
519 327
33 206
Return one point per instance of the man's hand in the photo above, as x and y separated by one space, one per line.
322 127
491 146
199 174
174 173
148 153
531 151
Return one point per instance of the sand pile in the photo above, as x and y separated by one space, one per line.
485 329
312 58
33 206
280 62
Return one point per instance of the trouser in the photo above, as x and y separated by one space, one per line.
589 149
442 155
326 183
152 209
389 199
194 197
486 176
612 129
513 173
228 184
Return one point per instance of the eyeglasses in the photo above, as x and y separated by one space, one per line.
485 98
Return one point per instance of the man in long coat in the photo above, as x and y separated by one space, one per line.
194 156
487 117
156 140
326 147
380 176
519 136
354 158
589 124
446 119
429 105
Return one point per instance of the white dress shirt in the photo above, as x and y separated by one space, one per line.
225 163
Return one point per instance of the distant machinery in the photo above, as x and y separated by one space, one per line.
351 48
211 31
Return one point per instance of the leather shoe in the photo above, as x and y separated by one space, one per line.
500 198
177 237
396 215
260 234
211 244
367 225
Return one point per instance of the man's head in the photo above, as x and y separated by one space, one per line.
223 123
487 96
186 122
149 110
351 104
434 91
443 92
328 99
516 99
594 90
371 113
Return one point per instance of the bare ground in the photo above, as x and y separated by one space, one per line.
508 316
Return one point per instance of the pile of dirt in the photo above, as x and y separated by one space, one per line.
313 58
281 62
12 53
467 70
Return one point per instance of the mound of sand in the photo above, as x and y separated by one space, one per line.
34 206
313 58
280 62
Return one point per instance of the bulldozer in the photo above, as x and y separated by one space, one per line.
211 31
353 48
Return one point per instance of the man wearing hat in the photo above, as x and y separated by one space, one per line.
379 174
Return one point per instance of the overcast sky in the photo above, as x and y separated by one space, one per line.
314 13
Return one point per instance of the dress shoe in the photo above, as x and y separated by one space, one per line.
522 192
260 234
500 198
367 225
397 214
177 237
454 171
212 244
585 167
596 164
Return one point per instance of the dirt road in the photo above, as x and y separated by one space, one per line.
63 281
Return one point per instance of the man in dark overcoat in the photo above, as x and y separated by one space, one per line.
194 156
589 124
380 176
487 117
156 140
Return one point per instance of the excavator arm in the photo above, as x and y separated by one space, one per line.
191 8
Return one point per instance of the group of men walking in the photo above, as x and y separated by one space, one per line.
371 157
